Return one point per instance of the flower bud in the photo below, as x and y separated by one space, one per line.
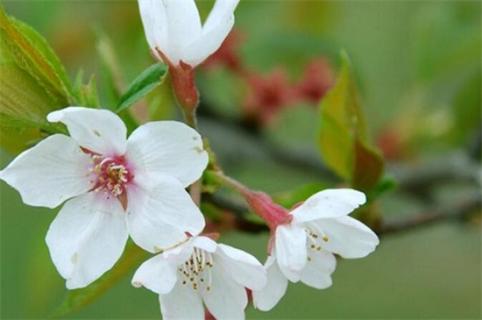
184 86
272 213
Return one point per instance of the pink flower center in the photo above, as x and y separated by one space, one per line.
112 174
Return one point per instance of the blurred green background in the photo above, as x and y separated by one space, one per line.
418 65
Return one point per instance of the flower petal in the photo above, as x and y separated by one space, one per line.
97 130
154 20
51 172
347 237
167 148
329 203
217 27
226 299
245 269
205 243
275 288
181 303
184 24
290 247
159 216
318 270
179 253
156 274
87 237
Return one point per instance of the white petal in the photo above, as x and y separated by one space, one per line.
153 14
86 238
215 30
179 253
205 243
159 216
51 172
290 248
274 290
101 131
184 24
347 237
226 299
243 267
328 203
292 275
317 272
156 274
182 303
167 148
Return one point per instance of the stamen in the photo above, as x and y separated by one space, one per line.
194 270
111 174
313 240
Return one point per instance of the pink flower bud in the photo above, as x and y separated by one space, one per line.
272 213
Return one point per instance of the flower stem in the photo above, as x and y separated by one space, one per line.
259 202
229 182
190 118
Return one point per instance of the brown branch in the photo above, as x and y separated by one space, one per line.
459 211
413 178
301 159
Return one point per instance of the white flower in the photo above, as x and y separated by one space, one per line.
303 249
173 27
198 271
114 187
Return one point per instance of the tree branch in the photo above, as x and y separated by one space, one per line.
301 159
460 210
416 179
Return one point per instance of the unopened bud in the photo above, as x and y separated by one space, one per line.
183 84
272 213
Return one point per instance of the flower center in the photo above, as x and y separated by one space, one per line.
315 241
196 271
111 174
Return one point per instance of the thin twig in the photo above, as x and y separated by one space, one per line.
456 166
300 159
460 210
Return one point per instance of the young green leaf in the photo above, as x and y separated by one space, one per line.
142 85
31 52
111 78
343 136
33 83
86 94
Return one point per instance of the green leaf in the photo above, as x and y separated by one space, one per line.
31 52
86 94
386 184
77 299
23 109
32 84
343 135
142 85
111 77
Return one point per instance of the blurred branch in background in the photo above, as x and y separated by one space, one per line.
458 165
417 178
304 160
459 211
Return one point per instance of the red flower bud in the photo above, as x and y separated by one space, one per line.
272 213
267 94
317 79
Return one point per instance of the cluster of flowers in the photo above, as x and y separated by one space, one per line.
115 187
270 93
